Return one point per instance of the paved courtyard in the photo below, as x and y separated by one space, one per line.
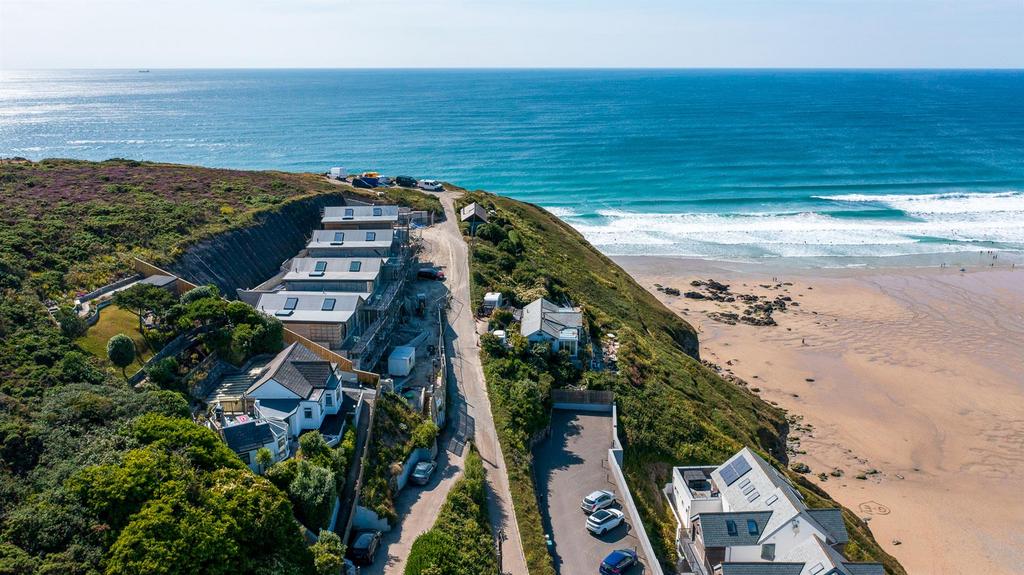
570 464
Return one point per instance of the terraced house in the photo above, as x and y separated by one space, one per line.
744 518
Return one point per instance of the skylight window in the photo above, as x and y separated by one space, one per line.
371 236
320 267
328 304
377 211
730 526
752 527
772 499
291 303
349 213
355 266
339 236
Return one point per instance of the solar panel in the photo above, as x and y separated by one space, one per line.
741 466
729 475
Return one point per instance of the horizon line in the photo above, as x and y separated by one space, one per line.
526 68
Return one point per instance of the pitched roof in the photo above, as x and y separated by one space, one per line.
311 307
298 370
375 214
381 238
543 316
159 280
473 210
714 528
245 437
832 520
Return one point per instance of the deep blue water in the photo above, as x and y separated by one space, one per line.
735 164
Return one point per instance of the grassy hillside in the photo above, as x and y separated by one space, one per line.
672 409
96 476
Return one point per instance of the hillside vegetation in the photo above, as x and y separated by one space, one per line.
95 476
672 409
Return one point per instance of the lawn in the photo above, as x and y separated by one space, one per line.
114 320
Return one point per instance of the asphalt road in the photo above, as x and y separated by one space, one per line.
570 464
469 415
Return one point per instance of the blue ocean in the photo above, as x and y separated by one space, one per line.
717 164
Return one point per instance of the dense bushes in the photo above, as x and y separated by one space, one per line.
394 427
460 543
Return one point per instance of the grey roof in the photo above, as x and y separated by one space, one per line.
473 210
361 214
543 316
159 280
864 568
715 532
278 408
382 238
300 371
333 269
761 568
309 306
245 437
832 520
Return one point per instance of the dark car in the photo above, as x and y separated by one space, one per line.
618 561
430 274
406 181
364 546
364 183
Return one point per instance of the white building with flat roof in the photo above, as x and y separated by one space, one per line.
359 217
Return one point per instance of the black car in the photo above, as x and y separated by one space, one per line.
430 274
364 546
364 183
406 181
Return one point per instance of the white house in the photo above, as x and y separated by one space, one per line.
359 217
299 389
545 322
245 436
333 274
744 518
361 243
328 318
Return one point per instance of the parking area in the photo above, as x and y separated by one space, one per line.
570 464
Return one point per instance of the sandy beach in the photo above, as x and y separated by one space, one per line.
909 381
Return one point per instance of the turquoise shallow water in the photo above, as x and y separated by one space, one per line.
721 164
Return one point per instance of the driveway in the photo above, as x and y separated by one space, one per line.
469 418
570 464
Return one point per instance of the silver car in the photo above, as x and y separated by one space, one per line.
421 474
597 500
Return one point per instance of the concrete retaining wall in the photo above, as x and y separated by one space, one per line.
417 455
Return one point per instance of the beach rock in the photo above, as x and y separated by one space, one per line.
897 542
801 467
696 283
671 291
694 295
716 286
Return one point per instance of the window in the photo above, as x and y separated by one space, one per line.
321 266
377 211
752 527
355 266
291 303
328 304
330 400
339 236
730 526
768 552
349 213
371 236
308 413
772 499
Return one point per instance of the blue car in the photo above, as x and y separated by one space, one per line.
618 561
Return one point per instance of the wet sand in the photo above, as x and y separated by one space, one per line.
912 378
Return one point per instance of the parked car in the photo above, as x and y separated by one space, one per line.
430 273
384 181
430 185
618 561
597 500
604 520
421 474
406 181
349 568
364 183
364 546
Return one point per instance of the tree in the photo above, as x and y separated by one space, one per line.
264 458
201 292
121 352
328 552
313 490
141 298
315 449
163 373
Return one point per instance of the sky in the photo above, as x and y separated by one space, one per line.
511 33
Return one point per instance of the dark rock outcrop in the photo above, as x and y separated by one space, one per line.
245 257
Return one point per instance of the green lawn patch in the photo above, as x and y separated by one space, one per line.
114 320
